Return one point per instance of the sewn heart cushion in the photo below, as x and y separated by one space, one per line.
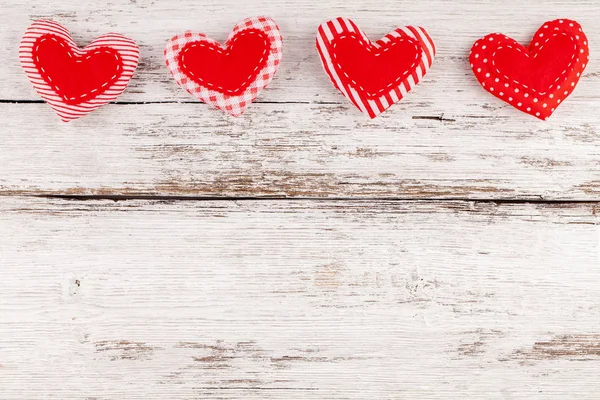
76 81
229 77
534 79
374 75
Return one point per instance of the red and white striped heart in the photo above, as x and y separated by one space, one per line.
74 81
230 77
374 75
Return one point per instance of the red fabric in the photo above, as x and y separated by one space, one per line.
76 81
229 77
536 79
375 71
374 75
76 77
228 71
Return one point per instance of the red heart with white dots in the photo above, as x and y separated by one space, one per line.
534 79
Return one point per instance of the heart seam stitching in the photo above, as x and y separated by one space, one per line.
126 48
218 48
540 103
48 79
234 105
370 49
373 106
536 54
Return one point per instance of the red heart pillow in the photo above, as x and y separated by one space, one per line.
76 81
374 75
537 79
230 77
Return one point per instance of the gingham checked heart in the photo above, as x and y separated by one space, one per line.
536 79
228 77
374 75
76 81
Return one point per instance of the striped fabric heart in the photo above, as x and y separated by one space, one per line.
74 81
229 77
374 75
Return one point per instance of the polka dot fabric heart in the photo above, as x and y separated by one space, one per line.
374 75
74 81
230 77
537 79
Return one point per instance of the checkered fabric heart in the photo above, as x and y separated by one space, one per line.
232 76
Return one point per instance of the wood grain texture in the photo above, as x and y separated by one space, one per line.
304 139
298 300
353 296
175 151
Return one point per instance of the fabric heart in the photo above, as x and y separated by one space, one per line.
230 77
76 81
537 79
374 75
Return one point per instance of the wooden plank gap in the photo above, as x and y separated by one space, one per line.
280 198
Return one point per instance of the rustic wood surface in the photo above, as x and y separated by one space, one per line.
159 249
298 299
448 139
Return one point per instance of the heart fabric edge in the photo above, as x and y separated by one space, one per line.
128 55
327 34
520 95
236 104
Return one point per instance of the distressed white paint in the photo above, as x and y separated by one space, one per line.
297 150
308 149
298 299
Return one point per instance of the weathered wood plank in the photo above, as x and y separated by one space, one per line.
298 300
484 149
297 151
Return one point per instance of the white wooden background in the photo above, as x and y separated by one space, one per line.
158 249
